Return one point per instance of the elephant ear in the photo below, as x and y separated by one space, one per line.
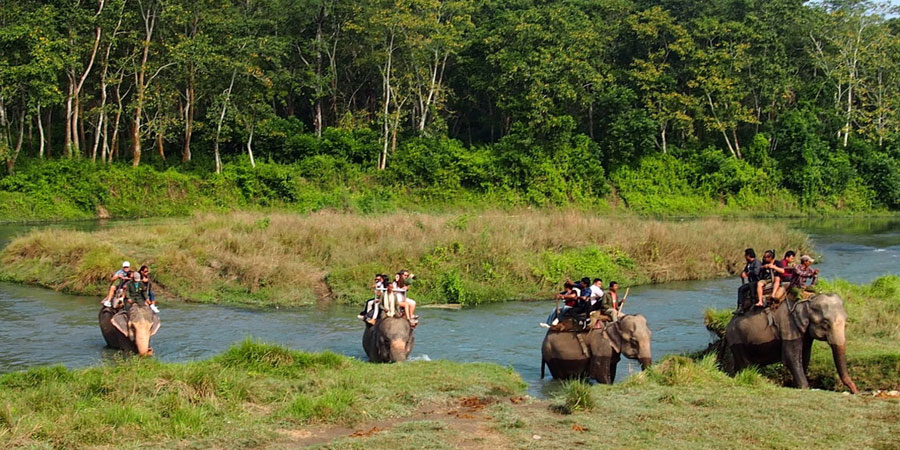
615 337
155 327
801 316
120 321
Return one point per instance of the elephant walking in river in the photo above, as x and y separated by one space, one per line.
598 351
764 337
129 329
391 339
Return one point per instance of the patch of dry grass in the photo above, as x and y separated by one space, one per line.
299 259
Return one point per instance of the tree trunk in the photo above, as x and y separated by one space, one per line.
40 124
318 119
140 75
49 132
386 76
67 138
250 146
80 125
221 121
849 112
662 135
188 117
160 147
76 94
115 137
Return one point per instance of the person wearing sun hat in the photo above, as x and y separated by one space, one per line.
116 280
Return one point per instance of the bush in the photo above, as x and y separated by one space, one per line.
660 184
575 395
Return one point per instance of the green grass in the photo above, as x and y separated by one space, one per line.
237 399
873 330
678 403
682 404
290 259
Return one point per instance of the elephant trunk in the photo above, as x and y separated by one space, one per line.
645 362
398 350
142 341
840 363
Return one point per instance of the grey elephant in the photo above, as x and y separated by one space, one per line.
129 329
391 339
598 351
764 337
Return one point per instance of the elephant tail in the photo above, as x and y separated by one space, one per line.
543 363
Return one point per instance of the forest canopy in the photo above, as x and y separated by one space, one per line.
555 101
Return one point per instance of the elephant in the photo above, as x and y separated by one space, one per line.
391 339
764 337
129 329
601 351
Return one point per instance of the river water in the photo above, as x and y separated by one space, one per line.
42 327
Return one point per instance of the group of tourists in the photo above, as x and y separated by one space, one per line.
127 287
391 299
586 302
777 278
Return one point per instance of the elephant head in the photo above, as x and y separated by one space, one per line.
630 336
823 318
389 340
138 323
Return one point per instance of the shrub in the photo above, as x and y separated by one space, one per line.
575 395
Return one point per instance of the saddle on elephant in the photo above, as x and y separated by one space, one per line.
772 302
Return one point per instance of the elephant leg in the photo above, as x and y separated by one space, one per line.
600 369
740 359
792 357
807 353
613 364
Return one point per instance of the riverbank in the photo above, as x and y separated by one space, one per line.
287 259
873 330
259 395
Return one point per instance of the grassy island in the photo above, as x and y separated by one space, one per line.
290 259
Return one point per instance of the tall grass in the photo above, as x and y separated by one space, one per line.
233 400
299 259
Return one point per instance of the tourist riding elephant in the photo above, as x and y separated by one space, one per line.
764 337
391 339
129 329
597 352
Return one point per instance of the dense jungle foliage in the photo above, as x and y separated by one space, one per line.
661 105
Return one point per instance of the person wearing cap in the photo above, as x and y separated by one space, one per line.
803 273
116 282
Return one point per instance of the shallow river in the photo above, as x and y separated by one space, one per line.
40 326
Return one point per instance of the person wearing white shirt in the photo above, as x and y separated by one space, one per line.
596 291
